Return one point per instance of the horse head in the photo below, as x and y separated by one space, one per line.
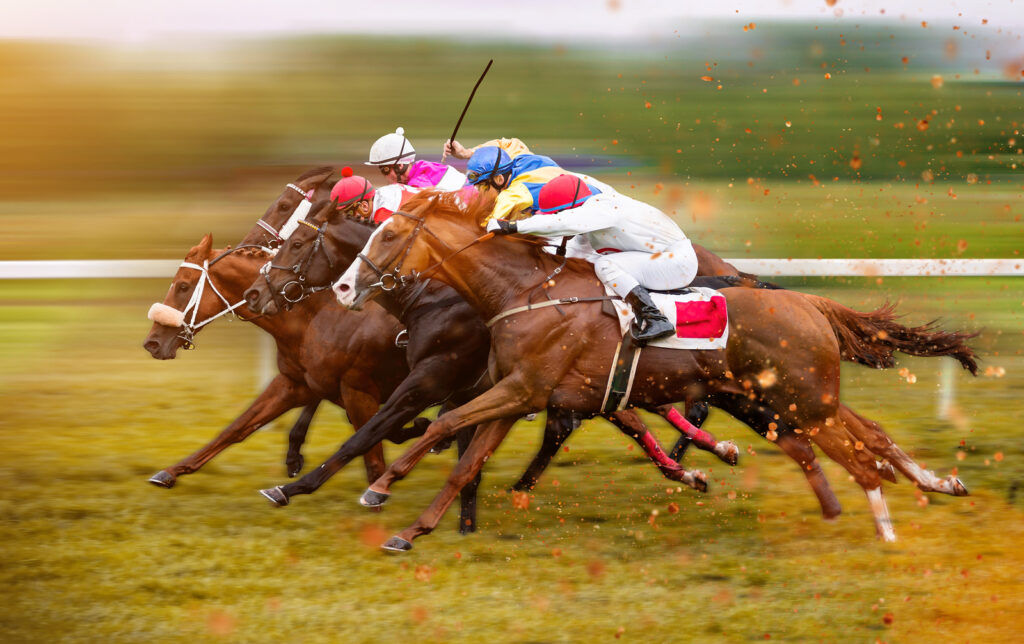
406 244
194 300
313 256
290 206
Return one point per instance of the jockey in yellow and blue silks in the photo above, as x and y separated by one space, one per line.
517 179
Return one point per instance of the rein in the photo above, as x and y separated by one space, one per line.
395 275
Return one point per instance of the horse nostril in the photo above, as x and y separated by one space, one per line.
343 287
252 295
151 345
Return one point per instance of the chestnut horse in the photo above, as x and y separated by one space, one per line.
784 348
314 184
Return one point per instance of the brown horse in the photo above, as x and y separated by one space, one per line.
324 352
784 348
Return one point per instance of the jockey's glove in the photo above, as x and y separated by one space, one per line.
501 227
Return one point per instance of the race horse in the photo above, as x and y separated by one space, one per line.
784 348
315 255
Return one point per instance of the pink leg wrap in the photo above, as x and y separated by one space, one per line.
653 449
703 439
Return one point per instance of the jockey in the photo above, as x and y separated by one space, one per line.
518 179
636 246
357 196
395 157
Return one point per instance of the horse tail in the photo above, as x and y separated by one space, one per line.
871 338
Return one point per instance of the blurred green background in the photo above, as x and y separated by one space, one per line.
782 140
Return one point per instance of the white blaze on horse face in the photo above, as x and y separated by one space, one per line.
345 288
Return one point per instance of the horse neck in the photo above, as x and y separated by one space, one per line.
235 273
493 275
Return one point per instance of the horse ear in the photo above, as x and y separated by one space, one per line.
201 250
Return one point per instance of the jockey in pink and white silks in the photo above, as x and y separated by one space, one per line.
395 157
635 246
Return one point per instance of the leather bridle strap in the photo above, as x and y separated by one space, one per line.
531 307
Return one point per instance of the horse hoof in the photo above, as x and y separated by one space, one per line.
396 544
163 478
728 451
294 466
372 499
276 496
959 489
700 483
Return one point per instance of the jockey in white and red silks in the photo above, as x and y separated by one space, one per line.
635 246
395 157
357 196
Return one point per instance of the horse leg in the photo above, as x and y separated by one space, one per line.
280 395
296 437
761 419
875 439
506 399
799 449
725 450
557 428
488 437
467 513
835 440
420 389
361 407
696 414
630 424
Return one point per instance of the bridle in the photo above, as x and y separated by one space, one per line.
390 280
189 327
296 290
300 212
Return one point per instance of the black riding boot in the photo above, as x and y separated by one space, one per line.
650 324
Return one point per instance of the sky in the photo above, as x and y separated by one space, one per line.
144 20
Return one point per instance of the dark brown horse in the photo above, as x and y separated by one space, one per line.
784 348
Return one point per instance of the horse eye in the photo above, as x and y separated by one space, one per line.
296 245
183 286
389 236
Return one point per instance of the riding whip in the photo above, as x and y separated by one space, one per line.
465 109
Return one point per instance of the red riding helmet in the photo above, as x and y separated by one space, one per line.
563 192
351 189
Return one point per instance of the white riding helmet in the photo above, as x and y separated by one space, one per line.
391 149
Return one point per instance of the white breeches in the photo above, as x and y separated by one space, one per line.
674 267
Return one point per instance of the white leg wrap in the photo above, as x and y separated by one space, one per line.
881 511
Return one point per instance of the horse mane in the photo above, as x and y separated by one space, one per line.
451 205
315 171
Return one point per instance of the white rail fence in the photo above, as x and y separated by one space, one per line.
161 268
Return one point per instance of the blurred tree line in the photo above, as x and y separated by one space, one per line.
725 102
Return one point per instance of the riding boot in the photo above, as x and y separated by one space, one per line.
650 324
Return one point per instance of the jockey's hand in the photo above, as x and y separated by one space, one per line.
457 150
501 226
